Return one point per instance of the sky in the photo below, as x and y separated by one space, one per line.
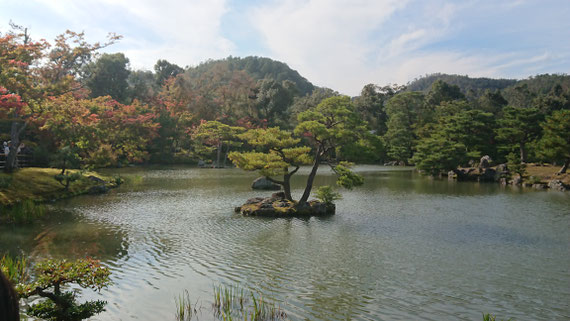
340 44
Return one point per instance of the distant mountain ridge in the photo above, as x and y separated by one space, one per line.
465 83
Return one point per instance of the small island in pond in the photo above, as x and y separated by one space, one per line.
278 206
333 123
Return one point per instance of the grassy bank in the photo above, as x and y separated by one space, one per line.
546 173
39 185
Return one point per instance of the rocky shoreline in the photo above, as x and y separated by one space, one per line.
484 172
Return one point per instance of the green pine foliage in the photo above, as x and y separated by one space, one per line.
465 83
517 128
403 112
555 142
59 305
327 194
516 165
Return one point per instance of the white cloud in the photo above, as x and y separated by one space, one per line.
183 32
347 44
341 44
328 41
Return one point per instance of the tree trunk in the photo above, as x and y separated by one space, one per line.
523 152
218 156
12 158
226 154
565 166
311 177
287 187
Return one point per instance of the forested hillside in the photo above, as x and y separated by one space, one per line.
465 83
258 68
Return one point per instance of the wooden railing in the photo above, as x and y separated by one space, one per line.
24 160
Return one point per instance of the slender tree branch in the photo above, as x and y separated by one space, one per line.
275 181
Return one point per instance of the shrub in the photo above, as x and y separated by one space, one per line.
327 195
52 275
515 165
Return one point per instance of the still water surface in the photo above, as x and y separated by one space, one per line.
401 247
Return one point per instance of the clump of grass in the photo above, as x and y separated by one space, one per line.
23 213
264 310
228 298
15 269
184 309
5 181
232 302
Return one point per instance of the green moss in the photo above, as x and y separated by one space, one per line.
284 206
39 185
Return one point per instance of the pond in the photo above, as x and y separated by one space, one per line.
400 247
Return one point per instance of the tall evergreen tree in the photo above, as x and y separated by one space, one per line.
517 128
108 76
555 141
402 111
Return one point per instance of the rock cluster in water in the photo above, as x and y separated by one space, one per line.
500 174
265 184
278 206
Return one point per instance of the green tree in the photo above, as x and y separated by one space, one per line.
371 105
274 99
436 154
64 158
217 135
491 102
277 154
302 103
369 149
516 165
142 86
470 127
519 96
402 111
441 91
108 76
517 128
164 70
59 305
454 139
333 123
555 140
556 99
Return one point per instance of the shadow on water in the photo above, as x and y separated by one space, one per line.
64 234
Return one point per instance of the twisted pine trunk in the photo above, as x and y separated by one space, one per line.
311 177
